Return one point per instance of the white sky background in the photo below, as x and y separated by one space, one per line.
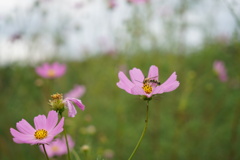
100 29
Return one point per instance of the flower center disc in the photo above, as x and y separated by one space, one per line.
55 148
40 134
147 88
51 73
57 96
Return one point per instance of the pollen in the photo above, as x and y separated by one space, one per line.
40 134
57 96
147 88
51 73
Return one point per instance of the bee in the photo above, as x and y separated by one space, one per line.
150 80
155 81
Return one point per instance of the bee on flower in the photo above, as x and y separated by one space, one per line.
146 86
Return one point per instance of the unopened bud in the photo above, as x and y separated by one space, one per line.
56 103
85 149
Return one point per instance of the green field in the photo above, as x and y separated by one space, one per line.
197 121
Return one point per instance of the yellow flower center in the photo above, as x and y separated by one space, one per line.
57 96
40 134
55 148
51 73
147 88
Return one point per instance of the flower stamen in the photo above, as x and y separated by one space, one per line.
55 148
147 88
41 134
57 96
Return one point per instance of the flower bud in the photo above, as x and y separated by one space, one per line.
85 149
56 103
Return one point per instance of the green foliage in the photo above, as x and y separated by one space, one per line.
197 121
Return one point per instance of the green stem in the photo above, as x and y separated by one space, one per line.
45 151
65 135
234 134
143 133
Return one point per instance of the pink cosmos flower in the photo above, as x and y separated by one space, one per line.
139 85
220 69
112 4
71 109
51 71
76 92
58 146
46 128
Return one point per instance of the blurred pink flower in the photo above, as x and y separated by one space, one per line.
58 146
146 86
112 4
76 92
43 133
219 68
71 109
51 71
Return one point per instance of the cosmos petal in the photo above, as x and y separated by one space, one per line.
137 90
153 72
124 82
136 76
58 129
71 109
52 120
77 102
169 85
24 127
40 122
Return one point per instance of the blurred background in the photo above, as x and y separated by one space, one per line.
98 38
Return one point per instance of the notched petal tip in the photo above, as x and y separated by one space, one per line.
136 76
124 83
153 72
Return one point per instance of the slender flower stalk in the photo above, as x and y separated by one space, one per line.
68 150
143 133
45 151
58 146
